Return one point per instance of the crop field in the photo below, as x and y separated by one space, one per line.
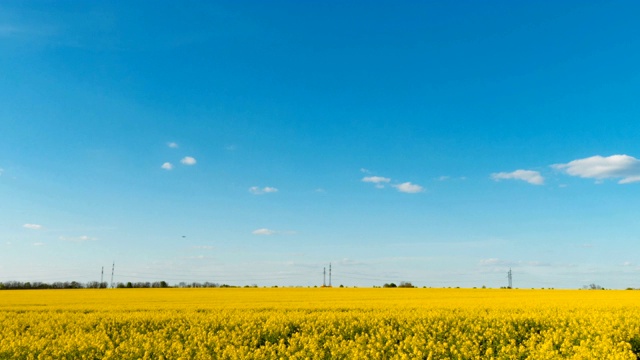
297 323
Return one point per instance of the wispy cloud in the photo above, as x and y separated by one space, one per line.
259 191
623 167
203 247
167 166
495 262
9 30
263 231
32 226
504 263
173 145
530 176
38 244
82 238
188 160
409 188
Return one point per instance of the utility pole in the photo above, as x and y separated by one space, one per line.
113 267
509 275
329 274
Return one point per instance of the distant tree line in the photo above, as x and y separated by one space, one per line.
207 284
403 284
19 285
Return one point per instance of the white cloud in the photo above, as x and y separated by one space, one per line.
38 244
530 176
375 179
409 188
624 167
167 166
32 226
82 238
188 160
173 145
265 190
379 181
363 170
263 231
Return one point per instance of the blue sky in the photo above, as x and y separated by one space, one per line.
243 142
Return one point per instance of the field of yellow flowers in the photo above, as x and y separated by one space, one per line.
319 324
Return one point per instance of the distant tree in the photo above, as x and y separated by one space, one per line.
391 285
405 284
593 287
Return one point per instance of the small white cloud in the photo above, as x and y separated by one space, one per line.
375 179
379 181
444 178
82 238
409 188
530 176
624 167
167 166
173 145
38 244
32 226
365 171
188 160
263 231
265 190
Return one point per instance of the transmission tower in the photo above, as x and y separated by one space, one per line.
510 277
101 276
329 274
324 277
113 267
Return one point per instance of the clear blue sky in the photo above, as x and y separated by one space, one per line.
252 142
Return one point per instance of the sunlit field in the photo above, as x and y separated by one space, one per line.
319 324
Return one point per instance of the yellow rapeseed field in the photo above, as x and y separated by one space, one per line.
319 324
